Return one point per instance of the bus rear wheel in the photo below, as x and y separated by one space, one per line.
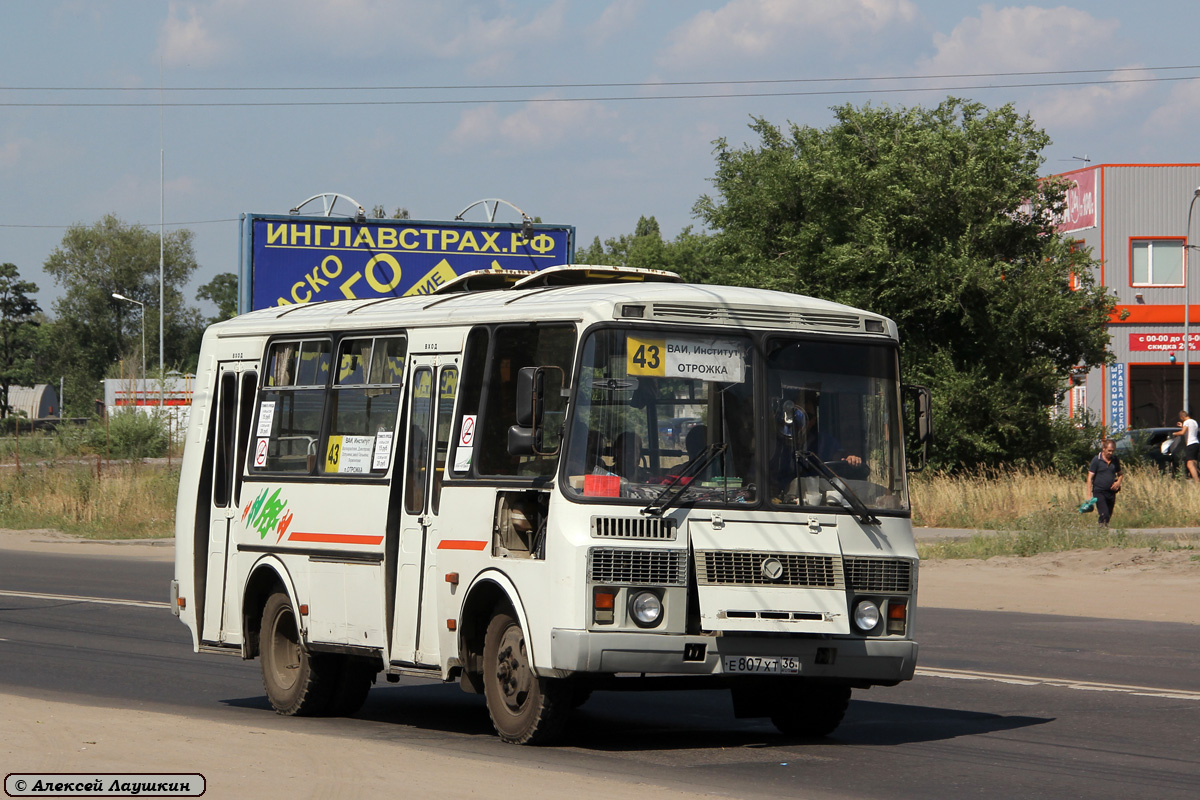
810 711
525 708
297 683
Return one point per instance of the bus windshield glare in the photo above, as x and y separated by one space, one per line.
651 404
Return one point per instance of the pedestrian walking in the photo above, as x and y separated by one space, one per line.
1104 480
1191 451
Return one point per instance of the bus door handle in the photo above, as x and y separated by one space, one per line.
423 520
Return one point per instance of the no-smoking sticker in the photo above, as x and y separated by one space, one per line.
466 438
260 453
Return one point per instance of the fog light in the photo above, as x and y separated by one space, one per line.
866 615
646 609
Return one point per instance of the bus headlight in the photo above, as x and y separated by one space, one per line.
866 615
646 608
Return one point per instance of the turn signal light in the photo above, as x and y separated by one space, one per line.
452 578
897 616
604 601
181 602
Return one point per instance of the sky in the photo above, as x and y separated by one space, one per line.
589 114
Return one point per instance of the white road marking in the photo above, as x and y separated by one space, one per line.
1063 683
79 599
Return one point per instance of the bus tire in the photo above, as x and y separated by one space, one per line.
525 708
297 683
354 680
810 711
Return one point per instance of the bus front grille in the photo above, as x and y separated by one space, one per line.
637 567
633 528
742 568
879 574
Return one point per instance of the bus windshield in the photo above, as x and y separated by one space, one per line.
834 408
650 403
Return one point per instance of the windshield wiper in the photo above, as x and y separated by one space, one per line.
660 504
858 507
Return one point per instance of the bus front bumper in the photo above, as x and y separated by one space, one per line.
871 661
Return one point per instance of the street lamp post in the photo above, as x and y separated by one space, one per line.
1187 302
143 307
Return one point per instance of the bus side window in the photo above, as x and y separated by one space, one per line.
364 405
514 347
292 403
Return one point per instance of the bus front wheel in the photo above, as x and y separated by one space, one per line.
295 682
525 708
809 711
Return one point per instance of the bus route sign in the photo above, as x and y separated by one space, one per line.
287 260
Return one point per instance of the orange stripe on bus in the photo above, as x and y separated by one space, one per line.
334 538
461 544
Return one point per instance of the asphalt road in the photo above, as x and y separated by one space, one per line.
1004 705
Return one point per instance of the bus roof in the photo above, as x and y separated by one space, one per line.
614 296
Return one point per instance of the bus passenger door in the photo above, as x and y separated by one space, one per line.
430 410
233 405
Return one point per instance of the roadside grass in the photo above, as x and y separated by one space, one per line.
1025 512
94 499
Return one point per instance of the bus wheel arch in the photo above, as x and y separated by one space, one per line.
487 596
266 578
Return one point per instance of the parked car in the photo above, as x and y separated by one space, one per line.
1145 445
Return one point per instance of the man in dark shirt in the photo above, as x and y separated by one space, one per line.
1104 481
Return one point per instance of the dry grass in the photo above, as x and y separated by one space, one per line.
91 498
1027 512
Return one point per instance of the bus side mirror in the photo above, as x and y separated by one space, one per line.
921 403
537 388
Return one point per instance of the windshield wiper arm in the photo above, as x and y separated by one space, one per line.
661 503
857 506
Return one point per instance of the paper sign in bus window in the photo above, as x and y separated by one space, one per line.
383 450
465 445
678 357
266 415
349 454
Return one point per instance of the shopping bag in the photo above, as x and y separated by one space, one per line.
1088 505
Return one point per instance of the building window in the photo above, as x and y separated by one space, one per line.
1156 262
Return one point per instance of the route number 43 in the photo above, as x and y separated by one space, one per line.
645 356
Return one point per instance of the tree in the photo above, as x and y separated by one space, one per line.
17 326
646 249
92 330
222 291
937 219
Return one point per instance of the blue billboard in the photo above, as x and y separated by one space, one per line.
287 260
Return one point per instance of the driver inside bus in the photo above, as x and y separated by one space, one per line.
806 433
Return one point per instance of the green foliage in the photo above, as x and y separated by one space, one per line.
92 329
646 249
937 219
134 435
221 291
17 332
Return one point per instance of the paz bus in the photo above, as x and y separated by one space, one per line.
540 485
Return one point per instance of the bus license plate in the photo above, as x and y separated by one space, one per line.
763 665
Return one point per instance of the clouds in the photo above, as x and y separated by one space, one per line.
534 125
760 29
185 39
242 33
1024 38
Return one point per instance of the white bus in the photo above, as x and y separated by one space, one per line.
540 485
